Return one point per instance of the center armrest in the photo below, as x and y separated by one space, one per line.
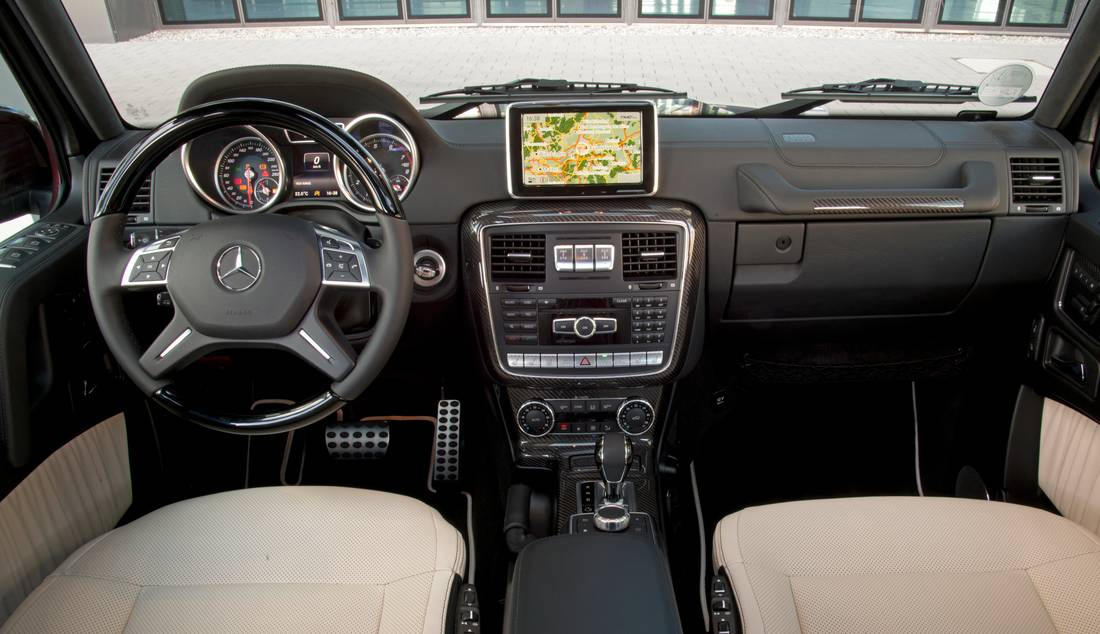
594 583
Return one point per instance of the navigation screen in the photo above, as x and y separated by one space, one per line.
582 148
576 149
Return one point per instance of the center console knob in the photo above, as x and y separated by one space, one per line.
584 327
635 416
535 418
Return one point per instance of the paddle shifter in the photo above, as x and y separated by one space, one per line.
613 454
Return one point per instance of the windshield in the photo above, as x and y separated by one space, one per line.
733 54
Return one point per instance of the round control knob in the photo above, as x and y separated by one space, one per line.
535 418
584 327
635 416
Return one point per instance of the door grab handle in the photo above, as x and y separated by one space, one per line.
1074 368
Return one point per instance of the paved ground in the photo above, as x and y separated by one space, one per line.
744 65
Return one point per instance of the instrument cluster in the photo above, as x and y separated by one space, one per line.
249 169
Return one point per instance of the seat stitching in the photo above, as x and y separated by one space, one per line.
249 583
133 607
797 614
1042 601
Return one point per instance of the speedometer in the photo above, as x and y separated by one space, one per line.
249 174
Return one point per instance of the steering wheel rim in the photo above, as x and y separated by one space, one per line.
388 265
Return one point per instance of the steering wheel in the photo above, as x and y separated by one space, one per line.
250 281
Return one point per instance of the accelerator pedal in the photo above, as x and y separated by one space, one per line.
357 440
448 424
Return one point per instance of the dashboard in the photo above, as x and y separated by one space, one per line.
248 169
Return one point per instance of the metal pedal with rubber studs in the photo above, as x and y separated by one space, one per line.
357 440
448 423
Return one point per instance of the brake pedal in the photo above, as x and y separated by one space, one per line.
447 441
357 440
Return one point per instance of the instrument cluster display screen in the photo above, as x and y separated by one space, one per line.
314 176
582 149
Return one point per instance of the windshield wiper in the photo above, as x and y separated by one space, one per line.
534 89
879 90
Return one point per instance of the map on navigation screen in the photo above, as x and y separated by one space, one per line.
582 148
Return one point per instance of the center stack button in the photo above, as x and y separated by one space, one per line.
584 327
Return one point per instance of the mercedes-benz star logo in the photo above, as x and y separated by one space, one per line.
238 268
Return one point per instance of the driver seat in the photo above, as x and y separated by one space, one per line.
265 559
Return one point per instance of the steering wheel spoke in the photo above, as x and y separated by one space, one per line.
319 342
175 347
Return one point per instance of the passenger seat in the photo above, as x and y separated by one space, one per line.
910 564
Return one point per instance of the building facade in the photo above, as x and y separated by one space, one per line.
115 20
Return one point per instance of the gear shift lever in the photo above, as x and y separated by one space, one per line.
613 453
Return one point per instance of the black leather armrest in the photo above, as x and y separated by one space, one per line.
591 583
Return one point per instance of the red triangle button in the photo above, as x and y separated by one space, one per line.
585 361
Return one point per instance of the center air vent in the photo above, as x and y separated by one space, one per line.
1036 180
649 256
518 257
142 200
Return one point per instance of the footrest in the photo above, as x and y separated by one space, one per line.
357 440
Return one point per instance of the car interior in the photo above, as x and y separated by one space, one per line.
543 357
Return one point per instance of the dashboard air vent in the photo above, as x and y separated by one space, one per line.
518 257
649 256
1036 179
142 201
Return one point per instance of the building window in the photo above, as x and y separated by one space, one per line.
1040 12
747 9
198 11
281 10
832 10
592 8
891 10
971 12
369 9
519 8
670 8
438 9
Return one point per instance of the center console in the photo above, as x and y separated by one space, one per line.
584 311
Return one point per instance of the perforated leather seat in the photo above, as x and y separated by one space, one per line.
910 565
320 559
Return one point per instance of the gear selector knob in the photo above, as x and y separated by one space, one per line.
613 453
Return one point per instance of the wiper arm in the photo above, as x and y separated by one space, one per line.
527 89
879 90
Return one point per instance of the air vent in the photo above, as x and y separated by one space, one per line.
1036 180
518 257
649 256
142 200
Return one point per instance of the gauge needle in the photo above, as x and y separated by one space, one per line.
248 182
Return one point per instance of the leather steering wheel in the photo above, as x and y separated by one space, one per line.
250 281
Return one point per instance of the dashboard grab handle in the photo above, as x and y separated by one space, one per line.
762 189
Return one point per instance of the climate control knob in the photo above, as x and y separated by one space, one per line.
635 416
535 418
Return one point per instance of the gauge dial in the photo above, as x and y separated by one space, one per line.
249 174
394 156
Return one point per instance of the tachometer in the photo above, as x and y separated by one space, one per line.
391 147
249 174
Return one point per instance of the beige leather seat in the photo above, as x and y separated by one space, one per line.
319 559
910 565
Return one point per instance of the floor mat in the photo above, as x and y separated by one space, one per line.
793 442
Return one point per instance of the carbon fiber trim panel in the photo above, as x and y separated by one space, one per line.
635 211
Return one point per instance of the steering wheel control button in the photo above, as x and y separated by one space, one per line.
535 418
584 327
635 416
605 257
238 268
149 265
584 259
429 268
563 258
342 262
